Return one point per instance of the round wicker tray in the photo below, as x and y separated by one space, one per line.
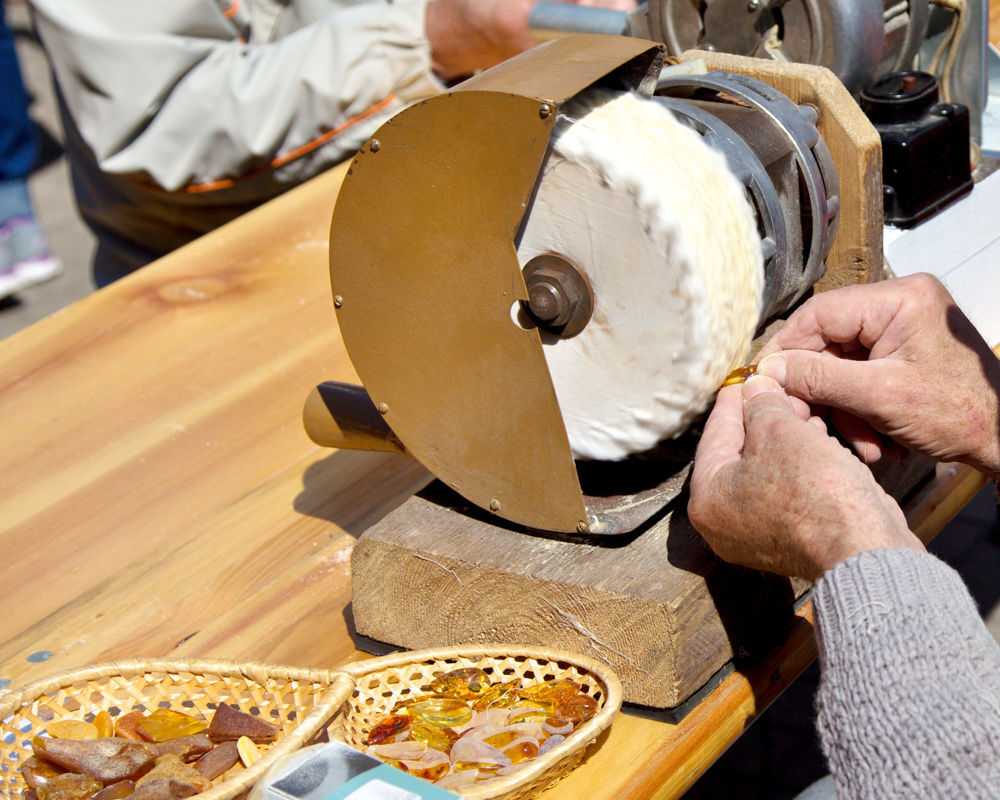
300 702
382 682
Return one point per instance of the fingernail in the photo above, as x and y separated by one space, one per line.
759 384
773 366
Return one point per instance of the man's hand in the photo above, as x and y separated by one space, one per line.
770 489
469 35
898 358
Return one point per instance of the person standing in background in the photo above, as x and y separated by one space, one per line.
25 259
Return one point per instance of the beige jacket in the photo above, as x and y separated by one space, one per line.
182 114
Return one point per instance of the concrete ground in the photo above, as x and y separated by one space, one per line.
778 756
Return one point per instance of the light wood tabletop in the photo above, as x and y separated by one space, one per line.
159 496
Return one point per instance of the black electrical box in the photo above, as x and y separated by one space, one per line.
925 146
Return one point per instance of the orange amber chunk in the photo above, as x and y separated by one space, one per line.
165 723
498 695
72 729
577 709
389 727
69 786
465 684
104 724
127 725
740 375
443 711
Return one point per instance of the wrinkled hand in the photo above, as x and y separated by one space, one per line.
469 35
897 358
771 490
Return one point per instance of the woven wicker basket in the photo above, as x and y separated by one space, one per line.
300 702
382 682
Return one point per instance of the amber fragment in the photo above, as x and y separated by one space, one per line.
165 723
116 791
389 727
498 695
163 789
104 724
228 722
187 747
444 711
108 760
550 692
37 771
127 724
434 736
69 786
217 760
465 684
576 709
522 750
71 729
740 375
171 767
249 754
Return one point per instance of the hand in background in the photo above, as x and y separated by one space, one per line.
771 490
897 358
469 35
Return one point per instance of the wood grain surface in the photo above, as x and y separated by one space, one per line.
159 496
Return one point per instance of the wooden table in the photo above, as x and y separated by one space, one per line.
159 496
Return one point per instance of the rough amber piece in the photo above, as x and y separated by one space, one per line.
465 684
104 724
576 709
389 727
71 729
228 722
170 766
550 692
108 760
444 711
498 695
187 747
116 791
217 760
127 725
740 375
69 786
165 723
37 771
434 736
249 754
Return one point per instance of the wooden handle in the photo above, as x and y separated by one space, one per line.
342 415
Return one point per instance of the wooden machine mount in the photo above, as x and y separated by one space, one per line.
656 605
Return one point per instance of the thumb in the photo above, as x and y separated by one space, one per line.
826 379
763 395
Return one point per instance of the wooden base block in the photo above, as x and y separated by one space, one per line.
657 606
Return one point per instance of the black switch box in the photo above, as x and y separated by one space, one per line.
925 146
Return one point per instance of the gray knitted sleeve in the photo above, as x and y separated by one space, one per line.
909 697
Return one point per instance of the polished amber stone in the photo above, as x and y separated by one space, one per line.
165 723
466 684
69 786
434 736
498 695
576 709
550 693
521 751
443 711
389 727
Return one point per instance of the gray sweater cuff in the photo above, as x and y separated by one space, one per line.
909 696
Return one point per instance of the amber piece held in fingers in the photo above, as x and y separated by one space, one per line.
740 375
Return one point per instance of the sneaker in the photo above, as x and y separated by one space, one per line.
25 259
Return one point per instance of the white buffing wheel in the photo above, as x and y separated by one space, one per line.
668 240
